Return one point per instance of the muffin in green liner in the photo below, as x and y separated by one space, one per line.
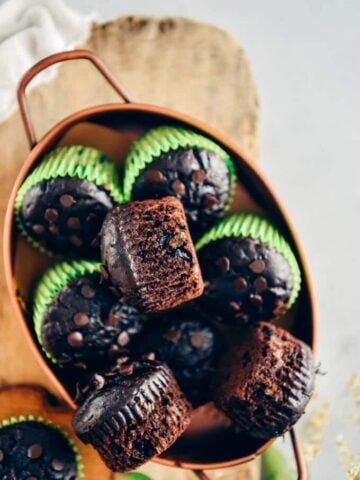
32 447
249 270
62 203
172 160
78 320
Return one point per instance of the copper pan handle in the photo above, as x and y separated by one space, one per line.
51 60
299 459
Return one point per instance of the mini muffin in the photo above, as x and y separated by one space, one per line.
250 272
190 346
79 321
32 448
149 256
265 380
172 160
61 205
131 416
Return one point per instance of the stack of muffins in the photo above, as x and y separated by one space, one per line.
160 301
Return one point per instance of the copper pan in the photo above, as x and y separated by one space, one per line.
210 443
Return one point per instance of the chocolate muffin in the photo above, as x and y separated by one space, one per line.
61 205
265 380
249 270
34 449
172 160
190 346
131 416
149 256
79 321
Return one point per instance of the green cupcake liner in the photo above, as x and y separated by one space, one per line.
32 418
258 228
51 283
76 161
160 140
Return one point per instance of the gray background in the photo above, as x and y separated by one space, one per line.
306 64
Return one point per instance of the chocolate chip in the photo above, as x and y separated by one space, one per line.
123 339
279 309
198 176
54 229
256 300
87 291
51 214
234 306
98 381
81 319
260 283
154 176
57 465
178 187
257 266
2 455
172 336
67 200
240 284
223 263
75 339
75 240
81 365
126 369
149 356
197 339
73 223
209 201
35 451
38 229
113 351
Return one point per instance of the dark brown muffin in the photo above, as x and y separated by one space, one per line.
33 449
65 215
149 256
246 281
87 326
133 415
265 380
200 179
190 345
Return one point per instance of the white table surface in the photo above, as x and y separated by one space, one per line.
306 63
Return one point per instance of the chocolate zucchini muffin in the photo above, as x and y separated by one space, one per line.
249 270
61 205
79 321
32 448
172 160
190 346
149 256
265 380
131 416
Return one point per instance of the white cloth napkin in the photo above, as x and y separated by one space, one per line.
29 31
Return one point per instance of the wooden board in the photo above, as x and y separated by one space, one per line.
188 66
